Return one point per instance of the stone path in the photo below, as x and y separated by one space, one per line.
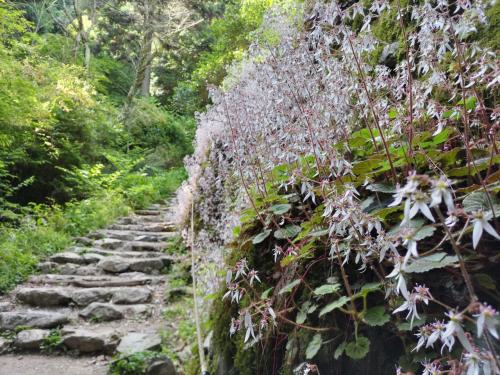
101 297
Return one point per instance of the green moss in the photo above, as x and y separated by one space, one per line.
489 35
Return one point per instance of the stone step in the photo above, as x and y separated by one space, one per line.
127 235
32 318
104 312
117 264
150 212
125 279
144 228
146 246
59 296
131 254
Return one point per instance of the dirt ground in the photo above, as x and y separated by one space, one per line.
46 365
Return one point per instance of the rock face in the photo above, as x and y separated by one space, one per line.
31 339
4 345
44 297
101 312
35 319
139 342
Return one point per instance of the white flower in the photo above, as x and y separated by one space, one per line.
481 223
401 282
411 245
420 204
441 191
454 328
431 369
487 318
472 362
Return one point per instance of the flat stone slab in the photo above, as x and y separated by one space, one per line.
139 342
109 243
36 319
90 341
31 339
44 297
146 246
125 295
67 257
114 264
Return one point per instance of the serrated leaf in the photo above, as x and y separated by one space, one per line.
289 231
261 236
326 289
424 232
425 264
376 316
280 209
382 188
358 349
334 305
319 233
478 200
289 287
314 346
340 350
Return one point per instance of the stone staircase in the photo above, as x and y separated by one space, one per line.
102 296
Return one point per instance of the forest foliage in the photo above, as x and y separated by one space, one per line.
356 159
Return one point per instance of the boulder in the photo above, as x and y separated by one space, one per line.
91 258
84 297
126 296
139 342
101 312
113 264
31 339
36 319
161 366
44 296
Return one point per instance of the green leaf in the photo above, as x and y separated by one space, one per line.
261 236
301 317
265 294
368 288
485 280
340 350
382 188
289 231
289 287
334 305
478 200
280 209
314 346
326 289
407 326
425 264
376 316
424 232
319 233
358 349
393 113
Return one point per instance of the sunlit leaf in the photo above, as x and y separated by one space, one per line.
289 287
314 346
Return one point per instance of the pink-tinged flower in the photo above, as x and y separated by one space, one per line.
241 268
277 252
441 191
423 335
438 329
454 328
481 223
431 369
249 326
486 319
235 326
253 276
420 204
411 306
